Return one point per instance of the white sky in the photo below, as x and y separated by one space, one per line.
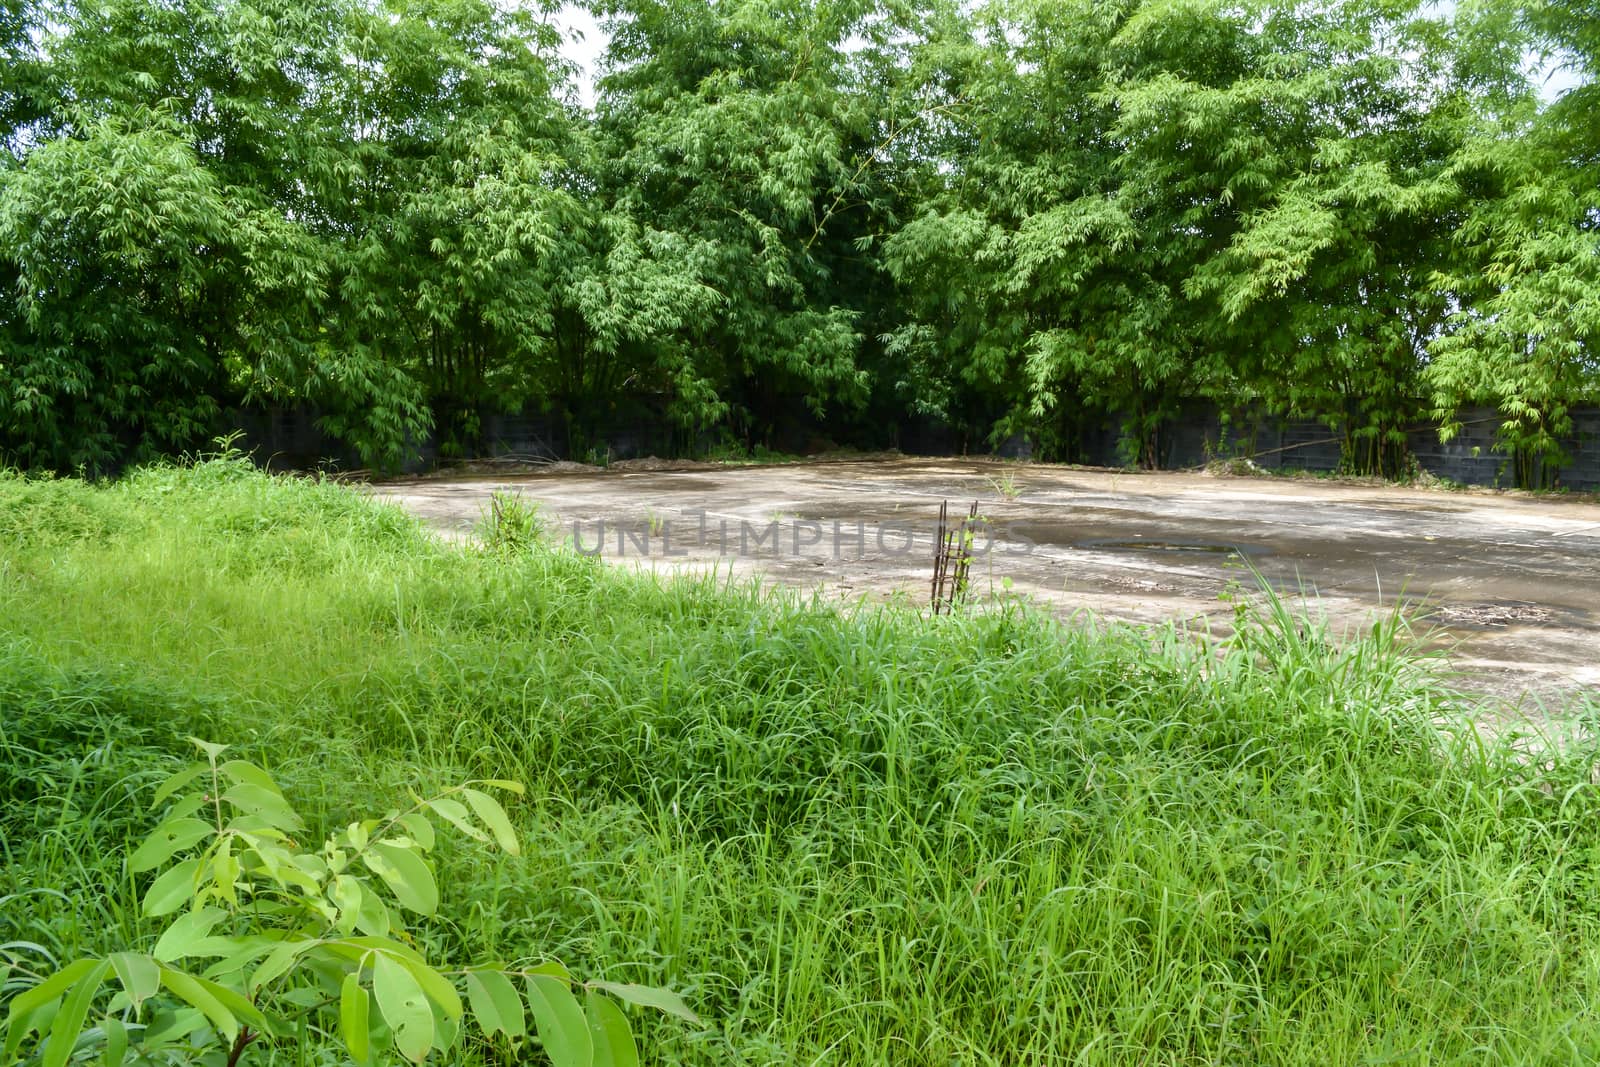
586 41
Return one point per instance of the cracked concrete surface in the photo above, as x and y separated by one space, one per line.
1512 581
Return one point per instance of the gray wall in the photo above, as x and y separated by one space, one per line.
290 438
1306 444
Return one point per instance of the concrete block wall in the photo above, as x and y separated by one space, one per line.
291 438
1468 457
1198 434
1584 471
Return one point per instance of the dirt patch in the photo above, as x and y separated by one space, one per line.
1512 581
1501 614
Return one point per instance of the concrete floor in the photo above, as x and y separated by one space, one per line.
1511 582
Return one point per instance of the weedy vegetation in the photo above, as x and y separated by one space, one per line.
841 837
303 934
1006 486
512 522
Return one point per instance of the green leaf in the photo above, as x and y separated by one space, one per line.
420 829
495 1003
188 936
435 986
268 805
171 1026
375 915
406 874
278 962
177 782
403 1007
239 1005
553 968
613 1040
116 1049
225 871
494 817
503 783
311 864
236 953
240 772
560 1021
202 995
25 1002
74 1010
170 837
356 947
173 889
18 1025
346 893
211 749
455 813
355 1025
139 974
645 996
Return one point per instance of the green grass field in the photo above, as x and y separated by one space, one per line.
858 837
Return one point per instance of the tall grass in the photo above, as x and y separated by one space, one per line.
847 838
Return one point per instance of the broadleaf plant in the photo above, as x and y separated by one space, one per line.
266 935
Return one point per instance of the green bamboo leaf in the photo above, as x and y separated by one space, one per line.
18 1025
560 1021
503 783
239 1005
74 1010
170 837
200 995
355 1025
116 1049
494 817
188 935
645 996
234 953
495 1003
613 1040
27 1001
403 1007
170 1026
173 889
406 874
357 947
139 974
278 962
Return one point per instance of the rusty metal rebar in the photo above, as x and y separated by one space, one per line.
952 559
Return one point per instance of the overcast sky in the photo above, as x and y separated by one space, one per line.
586 41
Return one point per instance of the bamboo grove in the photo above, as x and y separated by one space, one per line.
1006 216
